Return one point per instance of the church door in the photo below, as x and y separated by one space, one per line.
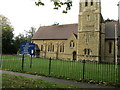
74 55
37 51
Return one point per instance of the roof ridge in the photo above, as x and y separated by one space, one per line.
112 22
59 25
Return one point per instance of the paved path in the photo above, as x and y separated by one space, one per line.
49 79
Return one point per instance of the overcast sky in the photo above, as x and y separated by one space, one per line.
24 14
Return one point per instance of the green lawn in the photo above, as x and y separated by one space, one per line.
13 81
12 56
64 69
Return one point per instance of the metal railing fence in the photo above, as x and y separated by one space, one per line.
91 71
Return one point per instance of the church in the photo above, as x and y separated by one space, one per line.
90 39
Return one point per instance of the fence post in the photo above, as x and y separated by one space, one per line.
31 61
118 74
22 62
49 65
83 69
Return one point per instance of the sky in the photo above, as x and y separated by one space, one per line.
24 14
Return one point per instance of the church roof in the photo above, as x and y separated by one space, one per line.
110 30
55 32
63 32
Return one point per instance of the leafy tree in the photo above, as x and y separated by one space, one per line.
7 35
56 23
21 38
30 33
58 4
110 20
18 40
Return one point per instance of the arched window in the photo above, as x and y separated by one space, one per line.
41 47
110 47
53 48
87 51
88 17
72 44
91 2
86 3
50 47
62 48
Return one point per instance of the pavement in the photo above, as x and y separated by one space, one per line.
50 79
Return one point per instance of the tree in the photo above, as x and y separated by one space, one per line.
56 23
58 4
110 20
21 38
7 35
30 33
18 40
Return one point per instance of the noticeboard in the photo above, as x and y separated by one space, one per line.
27 48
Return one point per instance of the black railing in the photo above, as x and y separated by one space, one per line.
102 72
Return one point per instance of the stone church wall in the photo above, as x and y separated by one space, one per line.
56 54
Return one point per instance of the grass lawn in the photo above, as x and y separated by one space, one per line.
13 81
64 69
12 56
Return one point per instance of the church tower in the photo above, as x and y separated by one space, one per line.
89 31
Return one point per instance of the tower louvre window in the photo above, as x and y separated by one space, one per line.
91 2
88 17
86 2
110 47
